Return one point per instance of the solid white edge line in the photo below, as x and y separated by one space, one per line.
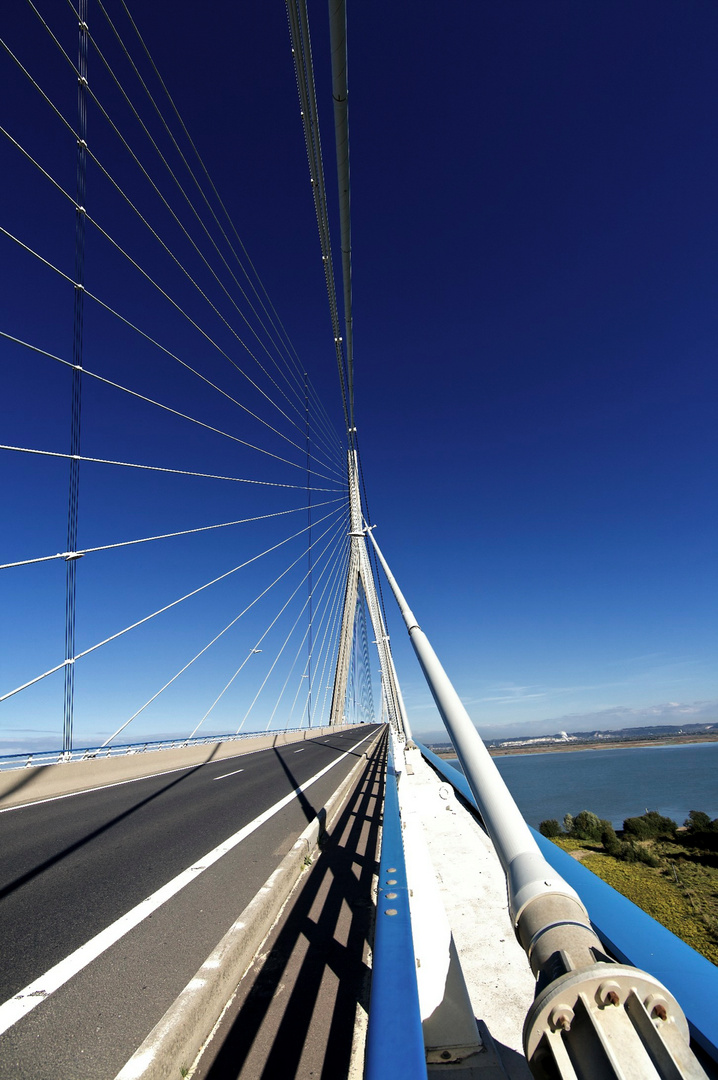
16 1007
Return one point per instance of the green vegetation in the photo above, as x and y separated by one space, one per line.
669 872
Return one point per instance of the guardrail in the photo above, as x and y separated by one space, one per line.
395 1040
92 753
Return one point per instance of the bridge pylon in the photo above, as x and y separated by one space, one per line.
360 570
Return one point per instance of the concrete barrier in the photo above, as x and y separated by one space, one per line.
174 1043
26 785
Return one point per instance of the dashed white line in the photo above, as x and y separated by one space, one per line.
299 751
225 775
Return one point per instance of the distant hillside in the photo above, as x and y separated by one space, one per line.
573 739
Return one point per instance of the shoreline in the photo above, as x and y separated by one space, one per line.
592 744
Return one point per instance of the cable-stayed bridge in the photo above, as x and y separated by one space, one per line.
188 568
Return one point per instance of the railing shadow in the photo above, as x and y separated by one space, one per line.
311 944
29 875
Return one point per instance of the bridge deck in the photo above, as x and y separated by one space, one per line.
95 949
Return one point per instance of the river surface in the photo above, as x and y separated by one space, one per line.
615 784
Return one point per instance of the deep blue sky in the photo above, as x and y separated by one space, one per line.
535 245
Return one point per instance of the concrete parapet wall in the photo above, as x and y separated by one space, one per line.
26 785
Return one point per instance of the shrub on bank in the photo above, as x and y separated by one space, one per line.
550 828
701 832
586 826
683 895
650 826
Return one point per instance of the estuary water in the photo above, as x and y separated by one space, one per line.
615 784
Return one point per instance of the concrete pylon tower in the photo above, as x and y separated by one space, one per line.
360 570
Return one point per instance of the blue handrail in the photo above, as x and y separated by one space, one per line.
395 1042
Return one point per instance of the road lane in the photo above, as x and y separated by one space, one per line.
72 867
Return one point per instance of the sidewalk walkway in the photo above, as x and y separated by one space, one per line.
297 1008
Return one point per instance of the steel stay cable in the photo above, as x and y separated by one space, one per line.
92 296
334 646
76 378
134 393
182 362
172 174
286 641
302 52
39 89
38 166
372 554
297 367
159 239
78 457
162 469
303 674
192 242
340 97
254 647
164 160
70 128
333 615
305 635
52 35
163 536
313 617
258 642
160 611
321 656
274 664
316 172
206 647
193 323
367 658
174 215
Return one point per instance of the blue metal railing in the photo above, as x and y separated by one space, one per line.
628 933
395 1042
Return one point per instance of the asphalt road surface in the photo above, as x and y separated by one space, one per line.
75 872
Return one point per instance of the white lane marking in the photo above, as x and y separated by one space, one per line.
40 989
121 783
299 751
225 775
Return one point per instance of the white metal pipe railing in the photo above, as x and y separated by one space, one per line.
592 1019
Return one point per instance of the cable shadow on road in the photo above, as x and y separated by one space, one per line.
6 890
297 1006
309 812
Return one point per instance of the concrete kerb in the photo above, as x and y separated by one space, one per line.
175 1042
34 783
